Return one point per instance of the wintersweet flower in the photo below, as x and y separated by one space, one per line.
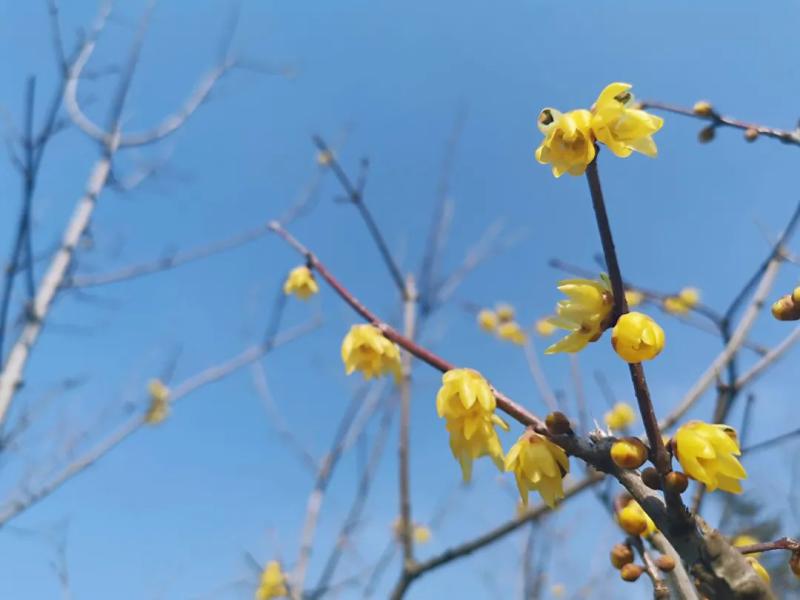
273 582
467 404
301 283
366 349
759 569
512 332
584 313
538 464
619 125
545 327
745 540
421 534
633 298
707 452
685 301
634 521
636 337
505 312
159 402
621 416
487 320
568 144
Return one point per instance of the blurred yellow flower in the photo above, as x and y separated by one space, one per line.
324 158
544 327
745 540
620 126
707 452
159 402
512 332
538 464
633 298
568 144
685 301
558 590
273 582
487 320
422 535
467 404
634 521
621 416
759 569
584 313
505 312
366 349
636 337
703 108
301 283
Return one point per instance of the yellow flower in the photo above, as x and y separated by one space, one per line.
301 283
746 540
159 402
634 520
324 158
685 301
703 108
558 590
505 312
467 404
422 535
620 126
707 452
584 313
365 349
637 337
759 569
621 416
273 582
634 298
538 464
512 332
487 320
568 144
544 327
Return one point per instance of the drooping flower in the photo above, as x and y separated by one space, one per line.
159 402
618 124
707 452
510 331
487 320
685 301
273 582
636 337
301 283
584 313
366 349
633 298
538 464
634 521
467 404
621 416
568 144
544 327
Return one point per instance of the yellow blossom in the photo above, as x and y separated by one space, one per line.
324 158
633 298
621 416
538 464
544 327
622 127
467 404
366 349
568 144
637 337
685 301
159 402
512 332
505 312
487 320
634 520
745 540
703 108
707 452
584 313
759 569
273 582
301 283
422 535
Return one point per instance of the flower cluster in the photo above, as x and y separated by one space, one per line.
301 283
273 582
707 452
614 120
366 349
500 321
538 464
585 313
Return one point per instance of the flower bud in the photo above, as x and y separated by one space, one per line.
631 572
636 337
487 320
665 562
707 134
787 308
676 482
629 453
703 108
505 312
796 295
558 423
632 519
750 134
651 478
621 555
794 563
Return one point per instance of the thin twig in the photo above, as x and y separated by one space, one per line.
539 378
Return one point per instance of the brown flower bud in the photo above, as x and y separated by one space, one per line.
631 572
629 453
787 308
651 478
703 108
750 134
665 562
707 134
676 482
558 423
794 563
796 295
621 555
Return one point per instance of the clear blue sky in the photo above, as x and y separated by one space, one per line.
171 512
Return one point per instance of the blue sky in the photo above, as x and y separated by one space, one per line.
171 512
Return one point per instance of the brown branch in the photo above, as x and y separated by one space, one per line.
403 446
784 543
